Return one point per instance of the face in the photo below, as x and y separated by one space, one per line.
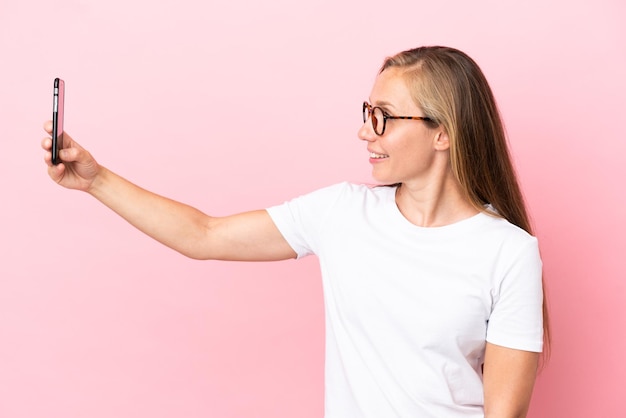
409 150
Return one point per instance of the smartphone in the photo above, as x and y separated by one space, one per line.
57 119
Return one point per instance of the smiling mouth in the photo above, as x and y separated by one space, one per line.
377 156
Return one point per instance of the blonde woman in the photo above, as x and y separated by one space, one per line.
432 281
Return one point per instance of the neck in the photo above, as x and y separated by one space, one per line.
434 203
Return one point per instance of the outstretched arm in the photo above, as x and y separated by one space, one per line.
250 236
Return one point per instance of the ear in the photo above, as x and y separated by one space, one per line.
441 141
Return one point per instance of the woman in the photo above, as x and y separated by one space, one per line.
432 284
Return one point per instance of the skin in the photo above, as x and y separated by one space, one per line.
416 155
250 236
508 378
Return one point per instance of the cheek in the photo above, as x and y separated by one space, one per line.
412 148
417 155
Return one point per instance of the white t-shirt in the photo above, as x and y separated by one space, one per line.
409 309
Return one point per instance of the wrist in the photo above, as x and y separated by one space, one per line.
98 181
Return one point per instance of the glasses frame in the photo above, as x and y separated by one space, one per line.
368 112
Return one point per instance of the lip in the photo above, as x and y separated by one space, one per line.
371 151
374 160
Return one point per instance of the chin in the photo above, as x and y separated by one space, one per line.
384 179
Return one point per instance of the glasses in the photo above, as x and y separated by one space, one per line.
379 117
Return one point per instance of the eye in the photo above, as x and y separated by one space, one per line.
385 113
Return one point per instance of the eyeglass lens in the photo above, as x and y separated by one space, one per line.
376 116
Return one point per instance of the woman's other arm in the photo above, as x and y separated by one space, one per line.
508 377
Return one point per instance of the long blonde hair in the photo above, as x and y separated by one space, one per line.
451 89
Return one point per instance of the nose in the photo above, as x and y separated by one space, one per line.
366 131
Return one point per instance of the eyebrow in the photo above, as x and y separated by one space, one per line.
384 103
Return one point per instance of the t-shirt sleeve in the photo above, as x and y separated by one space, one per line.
302 220
516 319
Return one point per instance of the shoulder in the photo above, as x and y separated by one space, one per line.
512 248
349 188
500 229
503 243
348 192
341 202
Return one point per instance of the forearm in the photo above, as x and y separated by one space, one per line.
248 236
179 226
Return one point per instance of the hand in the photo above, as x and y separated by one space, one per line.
77 170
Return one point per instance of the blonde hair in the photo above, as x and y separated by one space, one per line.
451 89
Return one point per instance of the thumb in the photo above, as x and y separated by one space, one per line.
69 143
70 154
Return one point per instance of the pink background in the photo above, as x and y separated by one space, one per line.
238 105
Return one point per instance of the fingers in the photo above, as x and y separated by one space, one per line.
65 154
46 143
68 142
47 158
56 171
